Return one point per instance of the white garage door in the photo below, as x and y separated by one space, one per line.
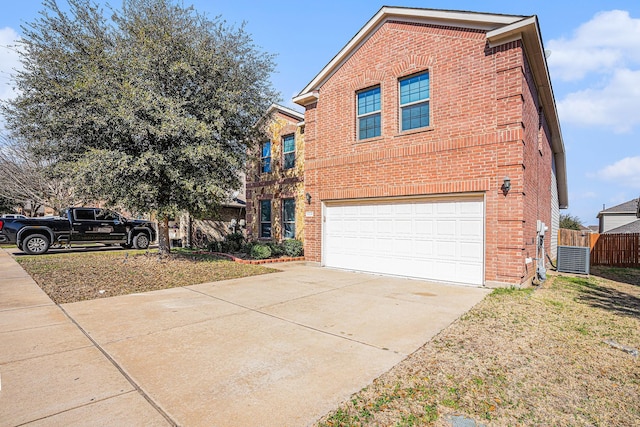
439 239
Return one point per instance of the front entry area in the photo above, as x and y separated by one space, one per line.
440 239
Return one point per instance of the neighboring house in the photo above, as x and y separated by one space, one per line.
275 184
229 217
411 132
618 216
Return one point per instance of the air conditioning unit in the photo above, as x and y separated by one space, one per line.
573 259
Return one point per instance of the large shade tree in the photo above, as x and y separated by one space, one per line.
150 107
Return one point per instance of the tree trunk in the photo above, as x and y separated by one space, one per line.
164 245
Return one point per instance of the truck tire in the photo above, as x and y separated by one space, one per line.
35 244
141 241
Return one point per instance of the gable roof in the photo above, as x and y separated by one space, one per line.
632 227
296 115
630 207
500 29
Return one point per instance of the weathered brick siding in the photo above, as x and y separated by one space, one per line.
484 126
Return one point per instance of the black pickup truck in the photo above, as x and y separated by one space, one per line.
35 236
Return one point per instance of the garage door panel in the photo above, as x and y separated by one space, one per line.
470 251
367 226
385 226
471 228
401 248
439 240
423 248
403 226
423 227
471 209
423 209
446 208
384 209
404 210
445 270
468 272
445 249
445 228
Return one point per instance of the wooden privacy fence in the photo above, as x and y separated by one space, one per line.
616 250
568 237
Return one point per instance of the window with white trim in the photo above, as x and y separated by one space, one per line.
414 101
369 113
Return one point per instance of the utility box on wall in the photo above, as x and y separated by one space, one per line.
573 259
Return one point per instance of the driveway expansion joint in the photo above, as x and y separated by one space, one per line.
258 311
121 370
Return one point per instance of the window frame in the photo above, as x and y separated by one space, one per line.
292 153
265 165
368 114
412 104
78 214
261 233
284 218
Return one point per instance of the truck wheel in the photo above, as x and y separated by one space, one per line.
35 244
141 241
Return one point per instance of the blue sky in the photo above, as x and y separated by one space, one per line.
594 66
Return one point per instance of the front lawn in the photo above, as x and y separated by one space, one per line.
72 277
549 356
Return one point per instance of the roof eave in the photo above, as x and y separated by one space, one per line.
528 31
307 98
288 111
483 21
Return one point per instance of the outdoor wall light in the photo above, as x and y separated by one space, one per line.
506 184
308 197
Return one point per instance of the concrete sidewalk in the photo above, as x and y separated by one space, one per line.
280 349
51 374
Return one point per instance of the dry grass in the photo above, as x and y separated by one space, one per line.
83 276
522 358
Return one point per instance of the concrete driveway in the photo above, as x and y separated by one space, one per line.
280 349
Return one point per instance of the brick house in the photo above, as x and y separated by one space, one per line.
432 150
275 184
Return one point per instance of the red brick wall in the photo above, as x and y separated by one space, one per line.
477 135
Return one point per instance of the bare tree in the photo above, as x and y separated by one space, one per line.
32 183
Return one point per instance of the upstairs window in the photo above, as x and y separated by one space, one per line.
265 219
265 157
369 113
414 101
289 218
289 152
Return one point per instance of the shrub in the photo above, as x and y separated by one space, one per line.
234 241
260 251
246 247
292 247
276 249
